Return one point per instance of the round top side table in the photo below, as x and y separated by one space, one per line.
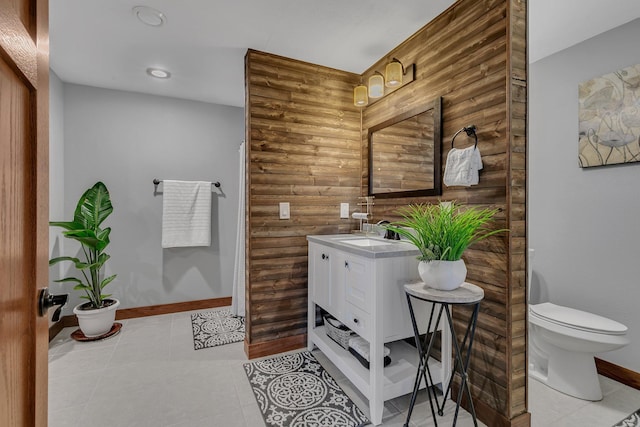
466 294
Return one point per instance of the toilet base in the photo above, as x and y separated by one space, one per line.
571 373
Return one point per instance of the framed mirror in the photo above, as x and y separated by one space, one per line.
405 154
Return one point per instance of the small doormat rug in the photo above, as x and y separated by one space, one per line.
632 420
213 328
295 390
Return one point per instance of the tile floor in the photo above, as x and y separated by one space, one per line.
150 375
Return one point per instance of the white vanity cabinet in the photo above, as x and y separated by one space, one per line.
362 285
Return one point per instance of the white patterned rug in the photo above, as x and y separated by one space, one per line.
213 328
295 390
632 420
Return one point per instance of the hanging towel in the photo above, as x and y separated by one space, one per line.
186 214
462 167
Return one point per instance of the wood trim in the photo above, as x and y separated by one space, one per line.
151 310
618 373
247 200
177 307
281 345
488 415
40 20
17 45
57 327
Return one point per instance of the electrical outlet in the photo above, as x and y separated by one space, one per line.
344 210
285 212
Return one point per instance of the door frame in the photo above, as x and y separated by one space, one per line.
24 46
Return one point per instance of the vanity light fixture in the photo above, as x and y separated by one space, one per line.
396 76
393 73
376 85
360 98
158 73
149 16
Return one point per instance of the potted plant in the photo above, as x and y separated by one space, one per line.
97 315
442 233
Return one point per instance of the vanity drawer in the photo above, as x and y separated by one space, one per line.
358 321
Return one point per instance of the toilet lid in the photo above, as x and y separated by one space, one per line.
578 319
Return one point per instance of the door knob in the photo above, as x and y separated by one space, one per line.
46 301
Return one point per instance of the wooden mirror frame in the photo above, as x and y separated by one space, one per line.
437 151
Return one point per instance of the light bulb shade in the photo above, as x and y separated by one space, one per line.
360 98
393 74
376 86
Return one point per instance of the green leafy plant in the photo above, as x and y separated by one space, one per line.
444 231
93 208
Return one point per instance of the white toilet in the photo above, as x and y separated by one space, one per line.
562 345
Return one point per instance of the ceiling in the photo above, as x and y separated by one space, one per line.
203 42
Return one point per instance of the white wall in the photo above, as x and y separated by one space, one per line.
126 140
56 175
583 223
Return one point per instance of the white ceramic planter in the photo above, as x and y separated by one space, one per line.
443 275
94 323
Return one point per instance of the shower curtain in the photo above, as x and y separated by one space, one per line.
237 298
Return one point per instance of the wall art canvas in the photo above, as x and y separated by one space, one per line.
609 118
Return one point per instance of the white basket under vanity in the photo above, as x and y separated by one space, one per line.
359 281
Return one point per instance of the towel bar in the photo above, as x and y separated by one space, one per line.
157 181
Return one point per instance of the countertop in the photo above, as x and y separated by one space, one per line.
384 248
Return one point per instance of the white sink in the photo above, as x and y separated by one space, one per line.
366 242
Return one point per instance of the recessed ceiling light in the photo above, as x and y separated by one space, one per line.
158 73
149 16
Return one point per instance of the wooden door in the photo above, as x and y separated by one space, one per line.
24 210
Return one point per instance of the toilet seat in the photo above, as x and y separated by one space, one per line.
576 319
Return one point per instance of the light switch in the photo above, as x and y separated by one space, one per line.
284 210
344 210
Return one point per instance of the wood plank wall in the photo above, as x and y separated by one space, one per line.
473 55
304 148
308 146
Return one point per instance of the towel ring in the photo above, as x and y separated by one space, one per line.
469 130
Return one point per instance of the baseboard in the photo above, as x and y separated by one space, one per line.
488 415
618 373
281 345
176 307
151 310
56 328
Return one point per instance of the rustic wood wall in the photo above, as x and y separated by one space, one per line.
473 55
308 145
303 134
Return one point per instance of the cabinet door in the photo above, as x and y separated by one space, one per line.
320 275
358 281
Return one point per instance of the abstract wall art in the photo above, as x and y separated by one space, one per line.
609 118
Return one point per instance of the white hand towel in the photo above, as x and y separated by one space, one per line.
361 345
462 167
186 214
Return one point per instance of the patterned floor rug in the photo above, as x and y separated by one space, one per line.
632 420
295 390
213 328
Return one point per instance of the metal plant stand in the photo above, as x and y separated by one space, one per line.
466 294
